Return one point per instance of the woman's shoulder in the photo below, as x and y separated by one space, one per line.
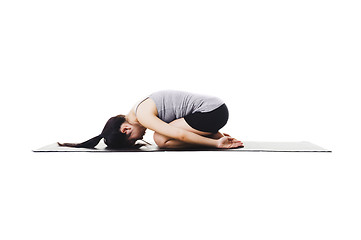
147 106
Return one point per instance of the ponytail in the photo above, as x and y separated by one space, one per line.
91 143
113 138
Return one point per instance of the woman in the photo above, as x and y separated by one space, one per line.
178 119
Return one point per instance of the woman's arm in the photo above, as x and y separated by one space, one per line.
217 135
147 116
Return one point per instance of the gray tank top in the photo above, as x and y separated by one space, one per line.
172 104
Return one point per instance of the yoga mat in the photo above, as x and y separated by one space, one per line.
249 146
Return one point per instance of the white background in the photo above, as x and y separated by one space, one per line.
288 71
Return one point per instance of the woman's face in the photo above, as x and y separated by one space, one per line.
134 132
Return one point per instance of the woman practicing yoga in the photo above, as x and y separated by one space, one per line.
178 119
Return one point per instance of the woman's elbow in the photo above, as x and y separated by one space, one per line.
182 136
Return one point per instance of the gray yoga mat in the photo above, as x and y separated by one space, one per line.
249 146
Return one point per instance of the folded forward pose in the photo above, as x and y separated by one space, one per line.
178 119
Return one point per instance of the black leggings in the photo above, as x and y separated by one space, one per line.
208 121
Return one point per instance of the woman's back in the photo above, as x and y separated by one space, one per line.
173 105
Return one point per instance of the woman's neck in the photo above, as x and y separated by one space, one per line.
131 117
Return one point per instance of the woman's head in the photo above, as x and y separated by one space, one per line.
117 133
133 132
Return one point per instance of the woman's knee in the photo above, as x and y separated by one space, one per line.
160 140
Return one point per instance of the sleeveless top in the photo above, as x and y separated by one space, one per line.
173 105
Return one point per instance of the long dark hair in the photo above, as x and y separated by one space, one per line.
113 138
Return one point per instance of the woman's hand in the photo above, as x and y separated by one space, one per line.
229 142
